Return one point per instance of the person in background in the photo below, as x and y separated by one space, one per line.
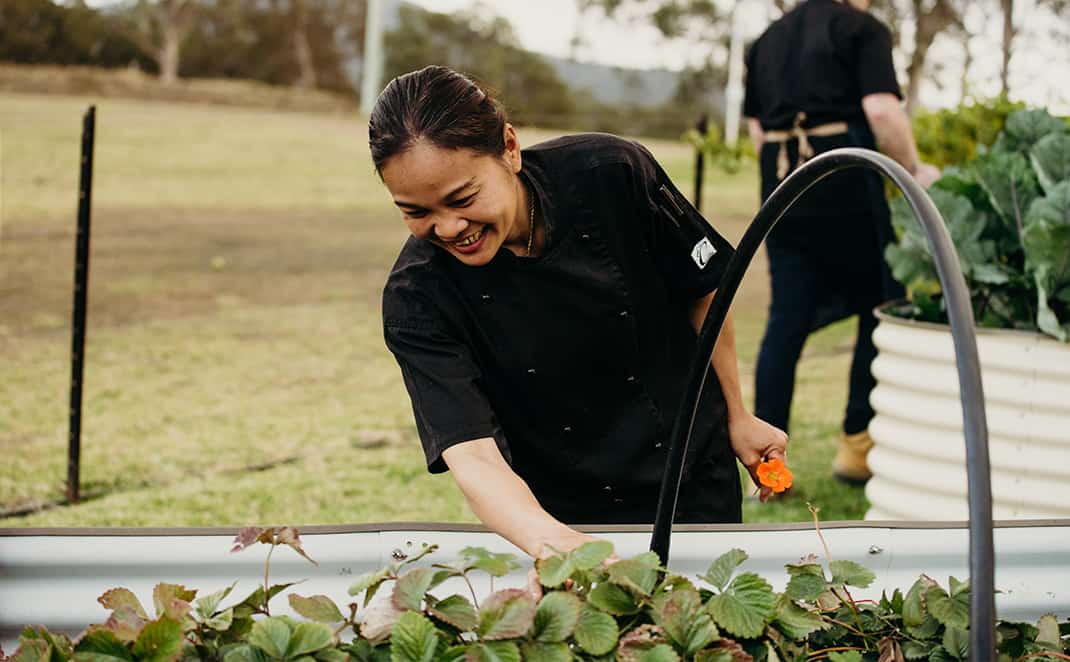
819 78
544 314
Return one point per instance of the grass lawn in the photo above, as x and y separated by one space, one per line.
235 368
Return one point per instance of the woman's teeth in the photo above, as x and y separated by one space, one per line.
470 239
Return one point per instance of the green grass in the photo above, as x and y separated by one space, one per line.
235 366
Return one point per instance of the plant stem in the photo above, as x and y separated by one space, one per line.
823 653
471 589
817 528
267 570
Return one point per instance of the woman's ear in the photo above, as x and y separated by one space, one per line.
512 148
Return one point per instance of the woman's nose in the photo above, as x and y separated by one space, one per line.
449 227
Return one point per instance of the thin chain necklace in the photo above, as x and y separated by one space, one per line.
531 221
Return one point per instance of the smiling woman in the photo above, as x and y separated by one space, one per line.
544 316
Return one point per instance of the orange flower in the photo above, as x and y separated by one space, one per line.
774 474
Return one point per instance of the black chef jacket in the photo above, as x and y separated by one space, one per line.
821 58
573 361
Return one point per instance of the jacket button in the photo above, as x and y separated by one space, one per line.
486 298
531 371
658 445
624 314
567 429
584 236
630 379
607 488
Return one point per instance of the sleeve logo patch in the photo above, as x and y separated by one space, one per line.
702 252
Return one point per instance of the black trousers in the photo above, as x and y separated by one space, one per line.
820 275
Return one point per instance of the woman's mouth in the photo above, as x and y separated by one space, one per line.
470 243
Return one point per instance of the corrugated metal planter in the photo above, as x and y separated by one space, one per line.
918 460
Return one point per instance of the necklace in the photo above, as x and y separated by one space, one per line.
531 221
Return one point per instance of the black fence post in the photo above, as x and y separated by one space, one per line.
702 126
81 291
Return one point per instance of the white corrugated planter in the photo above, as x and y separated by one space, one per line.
919 457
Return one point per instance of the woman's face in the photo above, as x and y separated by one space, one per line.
467 203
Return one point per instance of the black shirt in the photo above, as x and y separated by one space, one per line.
573 361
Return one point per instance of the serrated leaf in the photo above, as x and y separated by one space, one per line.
720 571
101 645
410 589
159 641
307 638
555 617
1048 633
957 643
173 600
506 614
745 606
596 631
538 651
125 624
590 555
806 587
414 639
639 574
208 605
613 599
221 621
117 598
681 615
851 573
889 650
951 612
379 620
913 605
317 608
845 656
332 655
494 564
37 650
457 611
290 537
794 621
493 651
271 635
658 653
369 582
554 570
917 650
714 655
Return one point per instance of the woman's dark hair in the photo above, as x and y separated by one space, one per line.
438 105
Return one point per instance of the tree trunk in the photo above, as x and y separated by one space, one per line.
967 62
306 66
1008 40
168 57
927 24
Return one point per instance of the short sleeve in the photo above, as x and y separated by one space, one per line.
690 254
873 53
444 385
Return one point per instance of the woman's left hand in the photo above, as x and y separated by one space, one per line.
755 441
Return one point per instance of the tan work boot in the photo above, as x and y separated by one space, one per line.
850 462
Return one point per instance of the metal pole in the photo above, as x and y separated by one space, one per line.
371 71
960 316
702 126
81 291
733 97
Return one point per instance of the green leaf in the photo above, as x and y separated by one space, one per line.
1050 157
317 608
845 656
744 608
118 598
1046 243
99 645
493 651
556 617
714 655
639 574
913 606
957 643
495 564
173 600
794 621
1010 183
457 611
589 556
806 587
159 641
613 599
720 571
554 570
271 635
681 615
414 639
125 624
38 650
917 650
307 638
951 612
208 605
370 582
221 621
506 614
851 573
657 653
1048 633
1025 127
332 655
410 589
596 632
537 651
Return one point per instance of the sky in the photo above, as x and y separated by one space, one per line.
1040 67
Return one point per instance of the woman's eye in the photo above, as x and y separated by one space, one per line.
463 202
415 214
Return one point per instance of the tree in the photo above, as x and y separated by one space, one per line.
160 28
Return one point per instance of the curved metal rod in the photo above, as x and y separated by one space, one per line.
960 315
